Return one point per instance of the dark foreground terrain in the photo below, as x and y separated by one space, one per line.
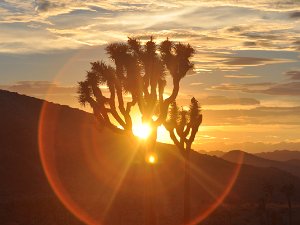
102 177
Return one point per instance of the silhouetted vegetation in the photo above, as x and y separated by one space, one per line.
183 126
288 190
139 73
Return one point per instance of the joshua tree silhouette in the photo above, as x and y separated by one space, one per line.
139 72
288 191
183 126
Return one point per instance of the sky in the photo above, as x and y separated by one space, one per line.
246 74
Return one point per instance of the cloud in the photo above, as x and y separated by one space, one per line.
249 43
234 29
257 115
293 74
256 35
39 88
291 89
251 147
196 83
47 90
45 5
252 87
251 61
241 76
287 89
231 61
92 22
223 100
19 38
296 42
295 15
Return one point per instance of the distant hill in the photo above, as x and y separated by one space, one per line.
280 155
238 156
212 153
295 162
101 175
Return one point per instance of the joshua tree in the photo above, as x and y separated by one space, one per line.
138 74
268 191
183 126
288 191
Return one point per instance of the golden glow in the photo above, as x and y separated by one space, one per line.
163 135
142 130
152 158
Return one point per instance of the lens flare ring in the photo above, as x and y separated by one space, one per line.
47 145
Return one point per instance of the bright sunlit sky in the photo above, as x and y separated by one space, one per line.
246 75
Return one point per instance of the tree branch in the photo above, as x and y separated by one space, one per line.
174 139
195 129
167 102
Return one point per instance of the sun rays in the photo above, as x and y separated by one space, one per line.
142 130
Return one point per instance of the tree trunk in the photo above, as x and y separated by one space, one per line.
290 211
152 211
149 198
149 183
187 188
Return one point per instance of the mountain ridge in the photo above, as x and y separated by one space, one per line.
238 156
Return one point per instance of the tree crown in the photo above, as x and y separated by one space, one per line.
139 72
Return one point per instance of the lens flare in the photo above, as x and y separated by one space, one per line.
95 176
151 158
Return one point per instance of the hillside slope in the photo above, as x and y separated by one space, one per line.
280 155
101 176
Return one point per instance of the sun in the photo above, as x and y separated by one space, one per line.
142 130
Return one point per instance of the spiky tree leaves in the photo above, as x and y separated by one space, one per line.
173 115
182 124
166 49
84 93
195 112
134 46
176 57
183 52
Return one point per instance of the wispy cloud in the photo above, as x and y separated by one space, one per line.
293 74
223 100
251 61
292 89
257 115
241 76
39 88
196 83
76 22
288 89
295 15
50 91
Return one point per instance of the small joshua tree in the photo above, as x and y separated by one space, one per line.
183 126
288 190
